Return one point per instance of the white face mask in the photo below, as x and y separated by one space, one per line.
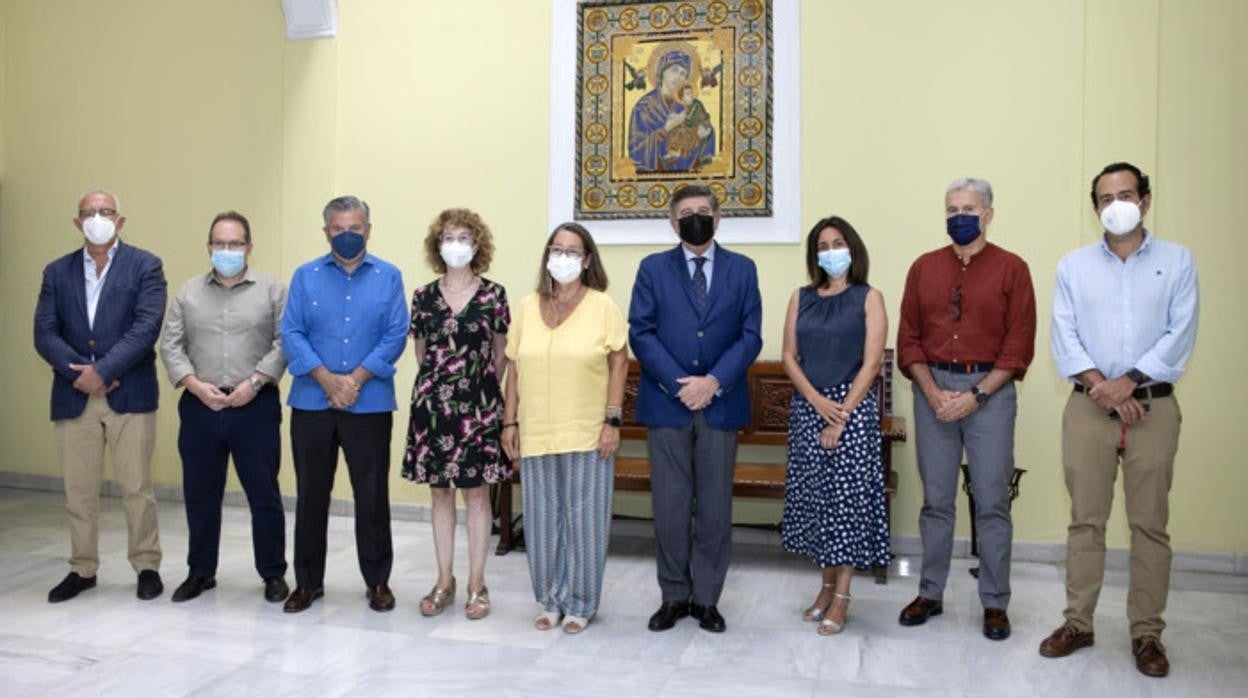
564 269
98 229
1120 217
456 254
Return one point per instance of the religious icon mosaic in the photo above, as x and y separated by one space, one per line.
668 94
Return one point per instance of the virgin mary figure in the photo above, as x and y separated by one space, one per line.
661 112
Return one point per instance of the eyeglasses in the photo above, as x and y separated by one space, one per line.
464 238
955 301
571 252
232 246
84 213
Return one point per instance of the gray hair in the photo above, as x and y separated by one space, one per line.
116 199
980 186
344 203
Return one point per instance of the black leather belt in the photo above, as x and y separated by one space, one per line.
1157 390
962 368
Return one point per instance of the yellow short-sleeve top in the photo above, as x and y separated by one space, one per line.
562 373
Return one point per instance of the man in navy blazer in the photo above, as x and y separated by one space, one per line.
99 313
694 325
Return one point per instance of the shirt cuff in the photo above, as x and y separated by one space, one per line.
273 368
1157 370
1071 366
377 367
178 373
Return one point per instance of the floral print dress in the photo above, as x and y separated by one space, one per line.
453 436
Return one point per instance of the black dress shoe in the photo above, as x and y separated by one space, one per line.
667 615
708 618
192 587
150 585
301 598
69 587
275 589
380 598
920 610
996 624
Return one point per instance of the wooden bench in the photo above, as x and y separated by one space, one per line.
770 396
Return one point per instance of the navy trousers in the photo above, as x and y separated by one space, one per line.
206 440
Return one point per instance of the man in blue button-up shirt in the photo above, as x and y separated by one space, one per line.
1124 323
344 326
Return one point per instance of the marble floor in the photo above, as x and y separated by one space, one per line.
230 642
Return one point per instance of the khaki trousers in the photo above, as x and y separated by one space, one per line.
1093 445
80 444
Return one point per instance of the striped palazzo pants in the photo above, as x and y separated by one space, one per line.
567 515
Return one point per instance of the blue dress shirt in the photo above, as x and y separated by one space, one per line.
341 321
708 267
1115 315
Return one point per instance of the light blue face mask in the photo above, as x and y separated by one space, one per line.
228 263
835 262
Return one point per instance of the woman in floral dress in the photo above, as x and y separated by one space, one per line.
459 330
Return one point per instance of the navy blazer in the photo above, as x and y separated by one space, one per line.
127 322
671 339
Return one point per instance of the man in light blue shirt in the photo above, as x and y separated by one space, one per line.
1124 324
344 327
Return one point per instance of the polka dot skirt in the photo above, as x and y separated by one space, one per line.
834 500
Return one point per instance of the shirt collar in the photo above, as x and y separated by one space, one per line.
112 252
330 259
249 277
709 255
1148 240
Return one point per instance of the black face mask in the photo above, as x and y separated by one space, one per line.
697 229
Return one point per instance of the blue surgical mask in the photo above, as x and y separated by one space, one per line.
347 244
228 263
963 228
835 262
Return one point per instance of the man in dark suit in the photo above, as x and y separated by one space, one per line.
100 310
694 324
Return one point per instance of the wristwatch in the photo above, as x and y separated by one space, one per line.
613 422
980 396
256 383
1136 376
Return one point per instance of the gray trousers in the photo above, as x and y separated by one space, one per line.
987 434
691 489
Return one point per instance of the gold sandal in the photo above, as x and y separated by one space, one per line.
478 605
436 601
827 626
814 614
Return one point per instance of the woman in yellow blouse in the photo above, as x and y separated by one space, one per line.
567 363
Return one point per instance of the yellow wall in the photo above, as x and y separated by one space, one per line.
189 108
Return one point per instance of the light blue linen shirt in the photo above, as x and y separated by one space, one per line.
1114 315
341 321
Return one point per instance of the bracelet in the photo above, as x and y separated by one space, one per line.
512 424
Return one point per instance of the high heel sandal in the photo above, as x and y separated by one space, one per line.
827 626
814 614
478 605
436 601
546 620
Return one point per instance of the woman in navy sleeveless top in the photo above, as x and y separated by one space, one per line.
834 336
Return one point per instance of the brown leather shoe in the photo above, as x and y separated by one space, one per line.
920 610
996 624
1065 640
1150 656
380 598
301 599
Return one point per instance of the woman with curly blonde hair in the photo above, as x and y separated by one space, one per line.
459 331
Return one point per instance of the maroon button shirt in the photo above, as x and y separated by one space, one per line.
981 312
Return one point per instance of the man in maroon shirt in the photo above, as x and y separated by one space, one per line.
967 331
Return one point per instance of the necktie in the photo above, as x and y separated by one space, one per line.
699 283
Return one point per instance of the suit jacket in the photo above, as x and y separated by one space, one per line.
672 339
128 318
